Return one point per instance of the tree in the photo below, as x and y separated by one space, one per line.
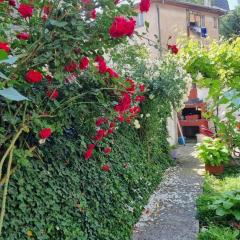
229 24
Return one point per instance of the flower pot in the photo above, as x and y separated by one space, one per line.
192 117
216 170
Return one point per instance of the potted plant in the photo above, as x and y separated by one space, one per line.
214 153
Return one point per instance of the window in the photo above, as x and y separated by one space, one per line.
139 20
215 22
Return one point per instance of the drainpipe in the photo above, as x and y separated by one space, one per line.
159 30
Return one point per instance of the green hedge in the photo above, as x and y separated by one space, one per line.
59 195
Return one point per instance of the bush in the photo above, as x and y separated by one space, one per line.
218 233
62 196
212 152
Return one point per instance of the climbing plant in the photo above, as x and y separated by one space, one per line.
216 67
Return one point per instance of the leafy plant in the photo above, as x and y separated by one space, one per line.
228 204
218 233
212 152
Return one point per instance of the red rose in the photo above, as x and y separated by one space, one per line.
23 36
142 88
106 168
12 3
135 110
91 146
116 2
88 153
33 76
107 150
44 17
124 103
25 10
87 2
1 1
100 135
45 133
120 118
46 10
131 88
93 14
53 94
122 27
144 5
5 47
173 48
49 78
112 124
110 131
71 67
112 73
84 63
139 98
101 121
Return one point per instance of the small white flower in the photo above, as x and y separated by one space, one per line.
151 96
136 124
148 115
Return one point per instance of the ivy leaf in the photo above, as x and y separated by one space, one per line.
3 76
10 60
3 55
57 23
12 94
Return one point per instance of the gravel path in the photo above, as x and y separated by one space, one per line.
170 213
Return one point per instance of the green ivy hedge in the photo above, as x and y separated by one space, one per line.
59 195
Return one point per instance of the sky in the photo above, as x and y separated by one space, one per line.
233 3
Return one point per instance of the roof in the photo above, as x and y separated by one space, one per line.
223 4
193 6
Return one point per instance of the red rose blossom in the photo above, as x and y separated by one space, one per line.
100 135
84 63
87 2
23 36
101 121
1 1
142 88
106 168
144 5
139 98
88 153
112 124
71 67
33 76
122 27
112 73
93 14
5 47
91 146
124 103
131 88
53 94
107 150
116 2
45 133
12 3
49 78
110 130
173 48
120 118
25 10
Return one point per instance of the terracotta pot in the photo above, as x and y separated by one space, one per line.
216 170
192 117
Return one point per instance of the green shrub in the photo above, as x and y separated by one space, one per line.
218 233
228 204
212 152
62 196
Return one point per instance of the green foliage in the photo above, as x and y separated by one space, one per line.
60 195
212 152
228 204
216 67
229 24
218 233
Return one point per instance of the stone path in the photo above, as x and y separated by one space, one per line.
170 213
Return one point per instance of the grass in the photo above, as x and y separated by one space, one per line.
215 227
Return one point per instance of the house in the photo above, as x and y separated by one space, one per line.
169 20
